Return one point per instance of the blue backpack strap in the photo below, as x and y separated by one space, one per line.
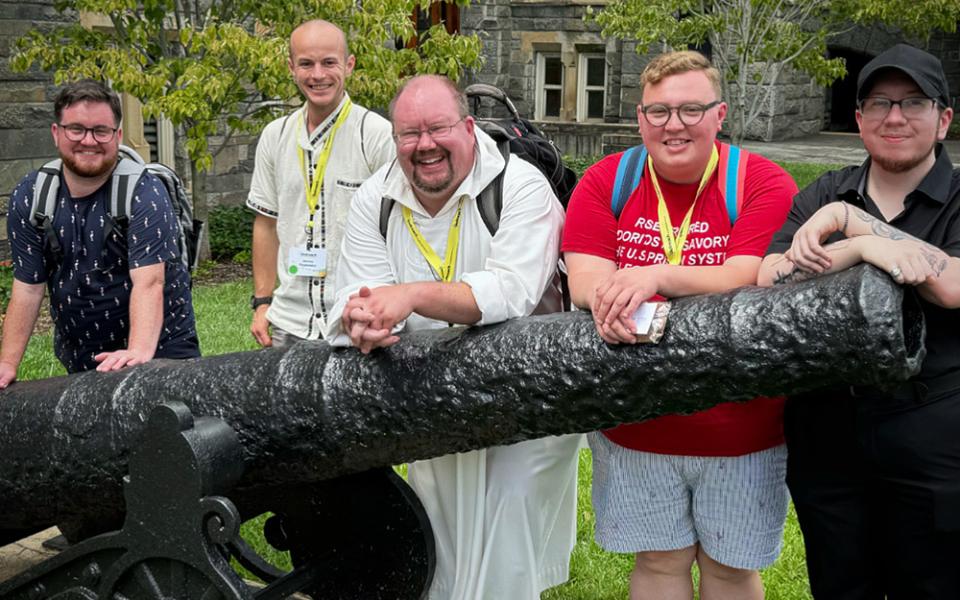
629 172
733 168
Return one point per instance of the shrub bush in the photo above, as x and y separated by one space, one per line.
579 164
6 284
231 230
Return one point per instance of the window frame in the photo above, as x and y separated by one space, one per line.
540 103
583 88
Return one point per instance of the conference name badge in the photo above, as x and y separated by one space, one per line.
307 263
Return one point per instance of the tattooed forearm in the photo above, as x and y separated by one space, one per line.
934 258
881 229
792 275
788 272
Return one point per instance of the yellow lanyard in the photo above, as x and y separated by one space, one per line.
673 245
313 187
445 270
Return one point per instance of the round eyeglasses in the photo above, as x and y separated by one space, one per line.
101 133
689 114
877 108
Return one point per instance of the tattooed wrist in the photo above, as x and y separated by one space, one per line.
792 274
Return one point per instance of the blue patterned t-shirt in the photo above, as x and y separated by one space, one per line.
90 286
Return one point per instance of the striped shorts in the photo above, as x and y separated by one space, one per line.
733 506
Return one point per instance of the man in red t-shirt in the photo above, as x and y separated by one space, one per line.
707 487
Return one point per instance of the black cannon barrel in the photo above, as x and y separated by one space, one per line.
313 412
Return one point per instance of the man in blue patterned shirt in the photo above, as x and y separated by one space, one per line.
117 298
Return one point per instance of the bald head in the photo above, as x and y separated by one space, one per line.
318 28
433 82
320 64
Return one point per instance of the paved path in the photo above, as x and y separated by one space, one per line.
22 555
841 148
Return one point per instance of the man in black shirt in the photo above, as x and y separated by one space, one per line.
875 476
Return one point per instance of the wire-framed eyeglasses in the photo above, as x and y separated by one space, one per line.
411 137
690 113
101 133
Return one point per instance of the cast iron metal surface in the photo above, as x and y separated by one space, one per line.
168 545
314 413
357 537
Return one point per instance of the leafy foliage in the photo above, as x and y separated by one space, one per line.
201 63
6 284
231 231
754 41
579 164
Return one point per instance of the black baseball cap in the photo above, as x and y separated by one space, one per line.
922 67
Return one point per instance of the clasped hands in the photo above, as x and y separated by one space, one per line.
371 314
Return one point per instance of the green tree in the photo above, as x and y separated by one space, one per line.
754 41
220 66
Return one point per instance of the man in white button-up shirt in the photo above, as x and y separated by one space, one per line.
504 518
308 166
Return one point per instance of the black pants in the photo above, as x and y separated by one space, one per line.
878 496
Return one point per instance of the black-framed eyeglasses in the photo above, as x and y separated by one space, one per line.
436 132
101 133
690 113
878 107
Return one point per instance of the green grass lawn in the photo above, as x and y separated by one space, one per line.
223 318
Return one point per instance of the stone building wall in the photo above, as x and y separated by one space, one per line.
513 33
25 103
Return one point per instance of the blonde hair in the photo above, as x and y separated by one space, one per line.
676 63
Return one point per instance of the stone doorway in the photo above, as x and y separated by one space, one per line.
841 99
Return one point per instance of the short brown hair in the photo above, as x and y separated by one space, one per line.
86 90
676 63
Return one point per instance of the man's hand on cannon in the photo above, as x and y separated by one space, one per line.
369 322
908 261
8 374
118 359
616 299
807 251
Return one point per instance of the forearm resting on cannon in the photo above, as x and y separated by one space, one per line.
313 413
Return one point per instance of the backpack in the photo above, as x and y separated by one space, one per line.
524 140
630 171
123 182
514 135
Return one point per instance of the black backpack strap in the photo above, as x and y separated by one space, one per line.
490 200
123 184
386 205
43 205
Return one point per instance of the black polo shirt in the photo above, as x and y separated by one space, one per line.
931 213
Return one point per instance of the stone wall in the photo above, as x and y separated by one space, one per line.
25 103
514 32
589 139
794 108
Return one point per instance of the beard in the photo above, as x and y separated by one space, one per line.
437 186
106 165
901 165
